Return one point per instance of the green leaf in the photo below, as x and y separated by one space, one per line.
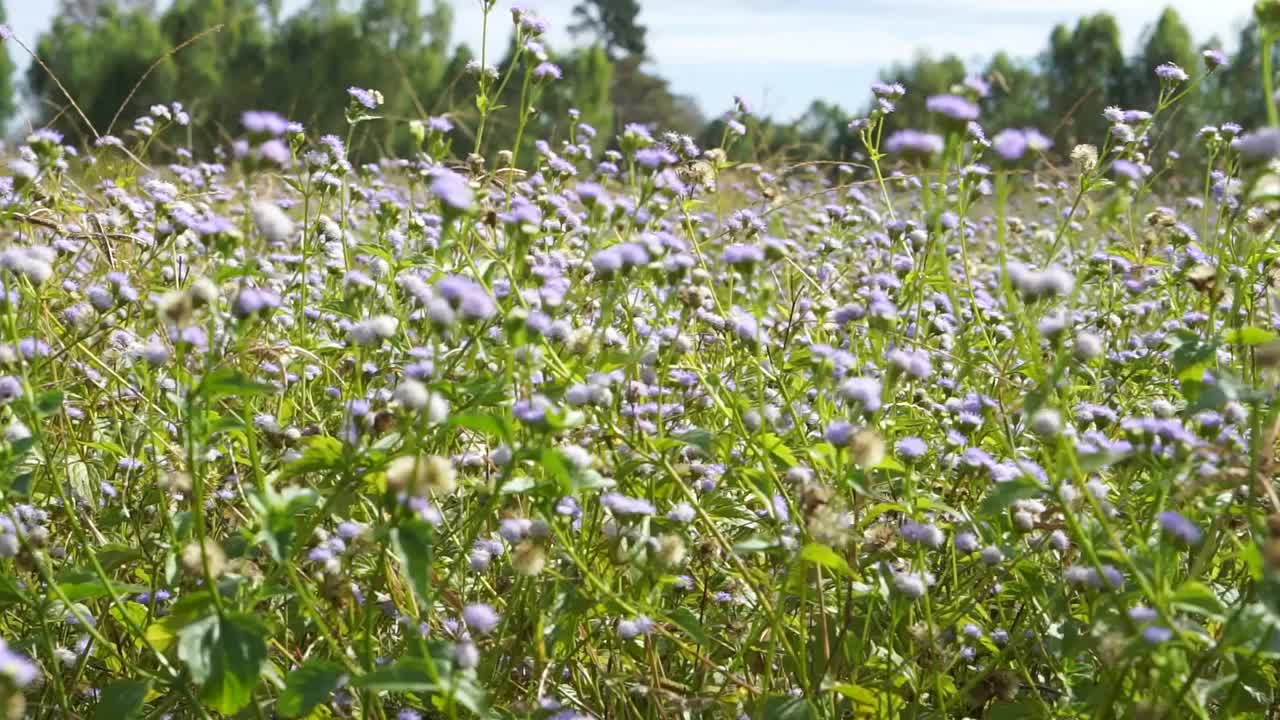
415 675
486 392
826 557
114 555
49 402
377 251
229 382
405 675
129 612
1224 388
754 545
1189 349
1193 373
697 437
1035 399
225 656
485 424
413 543
323 453
22 484
517 485
9 591
122 700
219 424
308 686
161 634
891 463
778 449
590 480
785 707
1252 558
194 646
687 621
277 515
553 462
227 272
1197 598
80 585
1007 493
863 698
1249 336
1015 711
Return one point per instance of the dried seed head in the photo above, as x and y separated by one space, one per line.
175 307
1203 278
671 551
880 537
176 481
203 292
421 475
193 561
1084 158
867 448
529 558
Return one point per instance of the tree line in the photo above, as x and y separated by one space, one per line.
1062 91
117 58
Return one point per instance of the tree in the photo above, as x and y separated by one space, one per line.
614 24
590 81
217 73
98 64
88 12
7 102
642 97
1085 71
388 45
1241 95
923 76
1168 40
1017 94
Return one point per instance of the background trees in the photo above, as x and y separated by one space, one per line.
613 24
298 63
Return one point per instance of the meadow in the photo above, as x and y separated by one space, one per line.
970 426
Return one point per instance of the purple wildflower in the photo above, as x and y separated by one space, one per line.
914 142
263 122
547 71
1171 72
1263 144
1178 526
1214 58
452 190
952 106
480 617
370 99
911 448
620 504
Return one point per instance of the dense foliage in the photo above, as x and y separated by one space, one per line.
638 432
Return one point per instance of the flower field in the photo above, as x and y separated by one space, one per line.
616 427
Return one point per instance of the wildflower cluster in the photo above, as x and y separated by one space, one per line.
615 429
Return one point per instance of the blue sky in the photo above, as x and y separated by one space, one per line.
781 54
